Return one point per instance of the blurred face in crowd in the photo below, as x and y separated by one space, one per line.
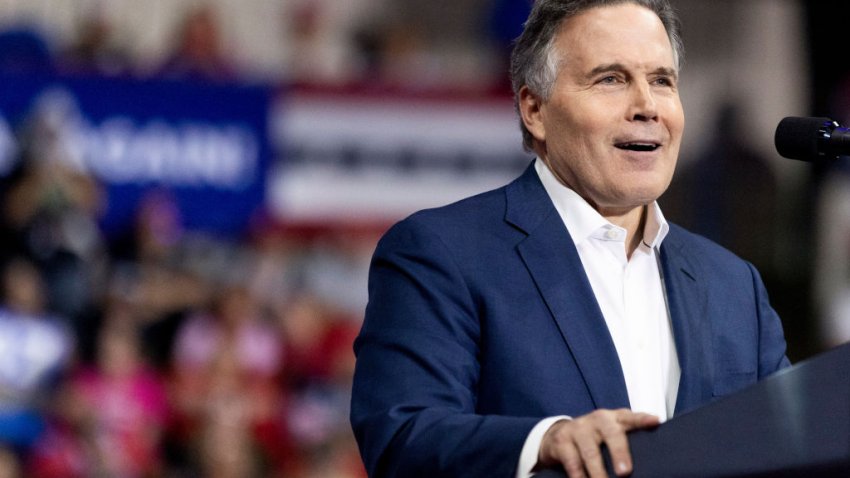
612 126
23 288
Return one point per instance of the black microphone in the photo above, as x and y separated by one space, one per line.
811 139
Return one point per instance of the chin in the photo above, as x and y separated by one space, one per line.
648 190
642 197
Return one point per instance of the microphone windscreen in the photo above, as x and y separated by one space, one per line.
797 138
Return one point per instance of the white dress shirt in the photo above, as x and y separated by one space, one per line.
630 293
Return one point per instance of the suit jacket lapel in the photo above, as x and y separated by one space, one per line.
551 257
687 302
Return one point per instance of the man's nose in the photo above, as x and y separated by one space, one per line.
644 106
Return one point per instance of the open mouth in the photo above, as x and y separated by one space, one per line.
638 146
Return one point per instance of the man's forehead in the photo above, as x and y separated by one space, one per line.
613 20
619 34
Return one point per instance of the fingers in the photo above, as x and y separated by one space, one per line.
572 461
616 441
591 453
618 445
576 444
632 420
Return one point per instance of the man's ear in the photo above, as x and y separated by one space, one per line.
530 109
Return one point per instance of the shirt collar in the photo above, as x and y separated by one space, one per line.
583 221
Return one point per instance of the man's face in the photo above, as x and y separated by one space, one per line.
612 127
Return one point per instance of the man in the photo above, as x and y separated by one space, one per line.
525 327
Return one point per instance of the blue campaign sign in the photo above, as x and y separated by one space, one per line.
206 144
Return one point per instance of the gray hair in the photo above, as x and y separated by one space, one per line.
533 60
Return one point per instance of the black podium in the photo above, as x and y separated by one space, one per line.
794 423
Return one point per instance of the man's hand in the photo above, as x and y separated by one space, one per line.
576 444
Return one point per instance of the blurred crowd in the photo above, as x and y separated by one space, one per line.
391 42
166 351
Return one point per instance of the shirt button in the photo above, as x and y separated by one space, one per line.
612 234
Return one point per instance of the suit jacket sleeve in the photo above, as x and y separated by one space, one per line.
414 395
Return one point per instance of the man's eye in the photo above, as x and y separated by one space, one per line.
608 80
664 82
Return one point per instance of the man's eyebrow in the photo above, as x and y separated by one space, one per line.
614 67
667 71
606 68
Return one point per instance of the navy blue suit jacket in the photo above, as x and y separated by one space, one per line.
481 321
